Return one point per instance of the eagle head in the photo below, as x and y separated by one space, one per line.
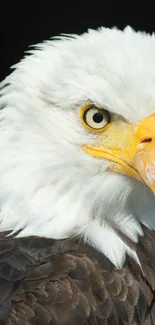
77 141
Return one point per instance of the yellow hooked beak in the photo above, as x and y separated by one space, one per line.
131 149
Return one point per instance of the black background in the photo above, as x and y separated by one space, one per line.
25 23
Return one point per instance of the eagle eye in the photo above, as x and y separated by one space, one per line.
95 119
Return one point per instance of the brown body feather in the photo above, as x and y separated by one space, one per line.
48 282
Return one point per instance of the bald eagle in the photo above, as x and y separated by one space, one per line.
77 182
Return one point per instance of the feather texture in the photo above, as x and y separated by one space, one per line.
43 281
50 187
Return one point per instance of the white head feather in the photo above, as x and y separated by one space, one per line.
48 185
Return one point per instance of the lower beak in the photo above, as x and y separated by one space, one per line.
139 160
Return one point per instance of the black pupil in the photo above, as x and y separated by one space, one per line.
98 117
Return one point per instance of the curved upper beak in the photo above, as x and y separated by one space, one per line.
144 158
136 160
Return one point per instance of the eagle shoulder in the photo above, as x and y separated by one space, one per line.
51 282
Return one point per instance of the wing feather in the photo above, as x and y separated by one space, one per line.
50 282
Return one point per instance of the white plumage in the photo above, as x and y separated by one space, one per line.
48 185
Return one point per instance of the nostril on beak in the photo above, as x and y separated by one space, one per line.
145 140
